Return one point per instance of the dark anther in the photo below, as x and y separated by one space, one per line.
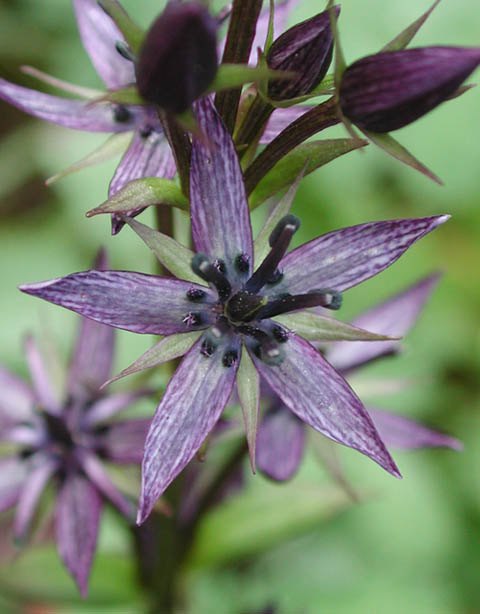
219 264
195 295
230 358
243 306
192 319
242 263
333 298
208 272
279 334
146 132
275 278
207 348
125 51
121 114
267 348
279 242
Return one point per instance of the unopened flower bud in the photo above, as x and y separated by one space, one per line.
306 50
178 59
388 90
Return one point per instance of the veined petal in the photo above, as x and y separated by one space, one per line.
77 516
343 258
124 441
219 207
191 405
400 432
280 444
12 476
279 120
110 405
16 399
99 35
132 301
394 317
75 114
44 390
319 396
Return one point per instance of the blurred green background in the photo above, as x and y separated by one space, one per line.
415 544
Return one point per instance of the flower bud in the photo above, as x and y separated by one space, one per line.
178 59
306 50
388 90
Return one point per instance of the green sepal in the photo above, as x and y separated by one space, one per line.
270 32
173 255
131 31
127 95
325 88
406 36
166 349
248 386
143 193
340 64
315 327
327 453
231 76
114 145
394 149
313 155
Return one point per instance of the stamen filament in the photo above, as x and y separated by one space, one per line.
330 299
208 272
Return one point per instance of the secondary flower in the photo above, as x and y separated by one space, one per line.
282 436
235 311
388 90
67 440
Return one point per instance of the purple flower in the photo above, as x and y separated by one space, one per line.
235 310
66 440
391 89
282 436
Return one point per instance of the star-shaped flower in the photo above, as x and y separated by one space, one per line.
230 321
66 440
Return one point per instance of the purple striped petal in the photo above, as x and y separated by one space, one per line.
16 399
400 432
111 405
132 301
219 208
99 35
342 259
12 476
77 516
280 444
191 405
394 317
124 442
44 390
319 396
279 120
75 114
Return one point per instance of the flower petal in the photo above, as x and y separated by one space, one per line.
280 17
400 432
219 208
75 114
279 120
12 476
343 258
111 405
45 392
319 396
191 405
77 516
280 444
99 35
16 399
132 301
394 317
124 442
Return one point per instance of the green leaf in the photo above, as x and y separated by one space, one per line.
394 149
131 31
313 155
166 349
230 76
113 146
261 517
248 386
143 193
405 37
173 255
124 95
316 327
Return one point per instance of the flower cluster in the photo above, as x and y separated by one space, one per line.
246 315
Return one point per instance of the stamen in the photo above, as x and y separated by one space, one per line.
330 299
125 51
242 263
276 278
219 264
121 114
208 272
192 319
195 295
280 334
146 132
207 348
267 349
230 358
243 305
279 242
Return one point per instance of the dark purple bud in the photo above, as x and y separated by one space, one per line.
386 91
306 49
178 59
